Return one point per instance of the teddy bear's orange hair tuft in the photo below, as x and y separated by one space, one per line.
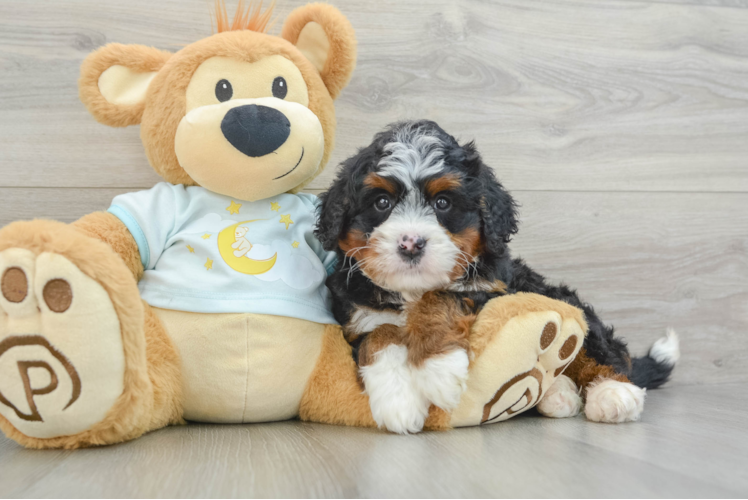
252 18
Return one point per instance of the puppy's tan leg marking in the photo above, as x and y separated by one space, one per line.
437 332
436 324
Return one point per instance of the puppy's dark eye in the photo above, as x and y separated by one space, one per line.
224 91
442 204
383 203
280 88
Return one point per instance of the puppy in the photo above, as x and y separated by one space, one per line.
421 227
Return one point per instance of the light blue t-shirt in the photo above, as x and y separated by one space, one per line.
209 253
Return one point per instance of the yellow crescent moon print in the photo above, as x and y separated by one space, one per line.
244 264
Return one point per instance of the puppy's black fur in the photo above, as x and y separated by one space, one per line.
480 202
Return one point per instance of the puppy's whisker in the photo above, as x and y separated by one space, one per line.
350 255
469 262
356 265
356 250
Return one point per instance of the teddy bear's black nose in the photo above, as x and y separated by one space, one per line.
255 130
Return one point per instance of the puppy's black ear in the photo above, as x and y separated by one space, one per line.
498 209
339 201
332 211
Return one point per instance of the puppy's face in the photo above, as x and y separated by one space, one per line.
411 209
414 226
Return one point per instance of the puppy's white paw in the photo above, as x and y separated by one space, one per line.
443 379
562 399
395 402
611 401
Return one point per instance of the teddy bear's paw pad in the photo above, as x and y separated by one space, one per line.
396 404
61 356
562 399
545 345
557 351
443 379
614 402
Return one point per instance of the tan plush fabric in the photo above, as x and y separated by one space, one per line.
249 80
131 414
333 394
96 362
522 344
121 85
242 367
314 44
164 372
109 229
200 146
138 59
341 57
501 310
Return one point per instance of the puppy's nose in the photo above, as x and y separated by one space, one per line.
411 246
255 130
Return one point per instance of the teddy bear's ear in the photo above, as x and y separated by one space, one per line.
114 81
327 39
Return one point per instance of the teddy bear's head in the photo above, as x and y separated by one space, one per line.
241 113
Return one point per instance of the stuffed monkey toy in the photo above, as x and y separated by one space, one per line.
203 298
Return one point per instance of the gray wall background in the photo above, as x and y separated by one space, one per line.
620 126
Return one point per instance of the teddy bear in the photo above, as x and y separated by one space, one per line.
160 310
242 244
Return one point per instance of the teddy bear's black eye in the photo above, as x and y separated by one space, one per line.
383 203
280 88
224 91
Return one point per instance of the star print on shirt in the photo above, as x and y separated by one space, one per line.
274 206
234 207
208 264
295 244
205 236
286 219
192 250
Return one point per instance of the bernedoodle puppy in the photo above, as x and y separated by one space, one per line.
421 227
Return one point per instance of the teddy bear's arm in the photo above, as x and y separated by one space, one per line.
106 227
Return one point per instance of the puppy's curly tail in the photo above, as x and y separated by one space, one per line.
654 369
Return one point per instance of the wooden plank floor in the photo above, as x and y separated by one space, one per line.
620 126
692 442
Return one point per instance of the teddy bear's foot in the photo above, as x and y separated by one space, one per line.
62 363
522 343
562 400
614 402
74 369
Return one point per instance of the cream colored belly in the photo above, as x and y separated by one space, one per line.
243 367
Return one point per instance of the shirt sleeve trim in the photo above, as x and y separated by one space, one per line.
331 266
137 233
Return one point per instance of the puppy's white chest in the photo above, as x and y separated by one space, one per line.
365 320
